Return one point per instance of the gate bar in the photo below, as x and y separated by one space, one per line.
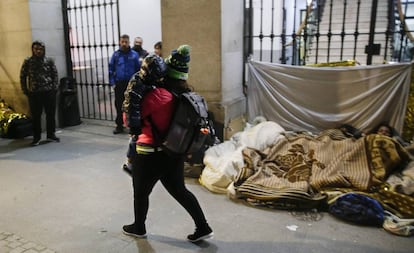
372 31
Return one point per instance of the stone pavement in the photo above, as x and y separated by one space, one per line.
11 243
73 197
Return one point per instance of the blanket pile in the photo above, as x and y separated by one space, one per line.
301 170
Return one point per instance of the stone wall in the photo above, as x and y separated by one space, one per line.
15 41
22 22
214 30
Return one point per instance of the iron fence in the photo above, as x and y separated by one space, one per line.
303 32
296 32
92 33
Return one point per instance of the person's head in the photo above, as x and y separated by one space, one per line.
384 129
138 41
153 70
124 42
38 49
178 63
158 48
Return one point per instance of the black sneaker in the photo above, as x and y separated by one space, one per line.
53 138
35 142
132 231
201 234
118 130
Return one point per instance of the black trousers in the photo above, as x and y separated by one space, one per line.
120 88
39 101
147 170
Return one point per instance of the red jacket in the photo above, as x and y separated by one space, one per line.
157 104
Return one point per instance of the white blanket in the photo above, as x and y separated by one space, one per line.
223 161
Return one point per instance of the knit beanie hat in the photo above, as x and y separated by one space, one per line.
178 62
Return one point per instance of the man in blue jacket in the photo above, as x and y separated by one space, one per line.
122 66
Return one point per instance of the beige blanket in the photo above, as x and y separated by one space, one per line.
302 166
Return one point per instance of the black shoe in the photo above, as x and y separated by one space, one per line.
201 234
132 231
53 138
118 130
35 142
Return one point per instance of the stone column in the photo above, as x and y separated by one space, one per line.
15 34
22 22
214 30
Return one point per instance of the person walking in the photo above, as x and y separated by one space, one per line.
39 82
151 164
122 66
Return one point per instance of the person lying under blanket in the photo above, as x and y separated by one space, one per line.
301 166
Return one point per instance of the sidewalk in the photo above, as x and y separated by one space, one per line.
73 197
14 244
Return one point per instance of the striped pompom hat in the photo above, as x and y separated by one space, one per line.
178 62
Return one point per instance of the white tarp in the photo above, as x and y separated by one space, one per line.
317 98
224 161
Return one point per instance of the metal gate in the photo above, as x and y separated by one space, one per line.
304 32
92 33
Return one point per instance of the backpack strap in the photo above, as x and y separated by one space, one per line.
156 135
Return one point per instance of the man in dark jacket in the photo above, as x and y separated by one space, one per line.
122 66
138 41
39 79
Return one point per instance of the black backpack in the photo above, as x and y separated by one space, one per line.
190 128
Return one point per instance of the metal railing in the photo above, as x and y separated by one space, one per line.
92 33
296 32
302 32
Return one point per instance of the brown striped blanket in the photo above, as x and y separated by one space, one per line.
298 168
